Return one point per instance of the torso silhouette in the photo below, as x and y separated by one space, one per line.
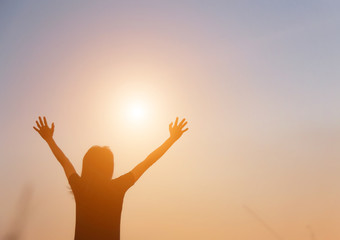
99 207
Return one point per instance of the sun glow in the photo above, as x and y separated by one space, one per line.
136 111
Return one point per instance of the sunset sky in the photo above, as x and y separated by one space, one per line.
258 82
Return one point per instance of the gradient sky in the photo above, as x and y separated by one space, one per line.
258 82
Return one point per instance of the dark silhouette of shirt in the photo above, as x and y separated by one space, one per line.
99 207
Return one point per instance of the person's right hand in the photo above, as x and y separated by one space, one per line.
44 130
176 130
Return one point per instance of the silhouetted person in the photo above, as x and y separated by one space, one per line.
98 197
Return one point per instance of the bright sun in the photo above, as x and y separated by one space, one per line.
136 111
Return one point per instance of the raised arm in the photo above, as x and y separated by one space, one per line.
46 133
176 131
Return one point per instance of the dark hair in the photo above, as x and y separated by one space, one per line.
97 164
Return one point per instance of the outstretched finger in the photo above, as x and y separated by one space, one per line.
181 122
176 121
183 125
52 127
45 121
38 124
41 122
170 125
36 129
185 130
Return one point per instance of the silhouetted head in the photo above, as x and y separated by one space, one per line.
98 164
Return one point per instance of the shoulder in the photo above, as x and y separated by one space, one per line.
125 181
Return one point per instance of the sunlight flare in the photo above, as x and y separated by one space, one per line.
136 111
